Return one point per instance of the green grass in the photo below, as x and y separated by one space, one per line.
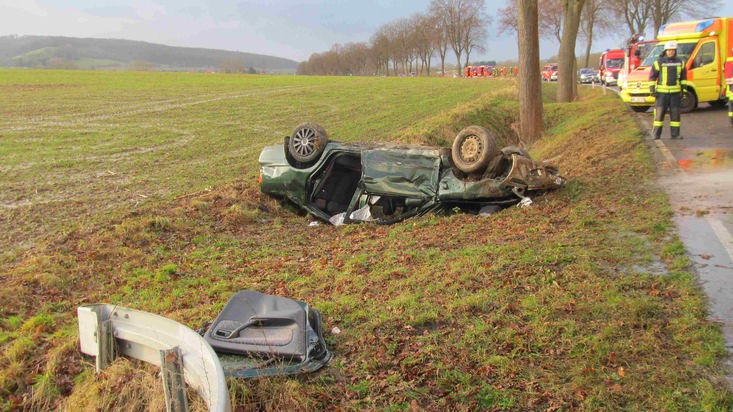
75 142
139 189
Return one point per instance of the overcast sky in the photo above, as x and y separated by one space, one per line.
292 29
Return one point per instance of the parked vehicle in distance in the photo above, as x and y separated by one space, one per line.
388 182
609 66
704 45
549 72
478 71
587 75
637 49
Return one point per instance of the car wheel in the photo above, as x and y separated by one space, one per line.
473 149
307 142
689 102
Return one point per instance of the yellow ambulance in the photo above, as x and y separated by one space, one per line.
705 45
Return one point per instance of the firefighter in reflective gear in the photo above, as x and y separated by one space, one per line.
729 95
729 83
670 76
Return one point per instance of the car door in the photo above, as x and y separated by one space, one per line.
704 71
397 183
401 172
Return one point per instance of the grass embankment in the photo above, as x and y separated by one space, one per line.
556 306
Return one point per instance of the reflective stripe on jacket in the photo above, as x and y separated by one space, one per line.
670 74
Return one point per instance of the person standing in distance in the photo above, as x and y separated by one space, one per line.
670 78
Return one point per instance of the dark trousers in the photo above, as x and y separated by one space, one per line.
667 102
730 110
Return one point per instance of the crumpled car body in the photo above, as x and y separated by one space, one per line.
389 182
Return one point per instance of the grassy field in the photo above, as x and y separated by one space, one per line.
139 189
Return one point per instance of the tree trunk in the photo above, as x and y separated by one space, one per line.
458 62
530 86
566 58
575 77
587 50
588 44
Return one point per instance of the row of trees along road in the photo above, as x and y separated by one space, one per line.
410 44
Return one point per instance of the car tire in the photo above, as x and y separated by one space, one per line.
473 148
307 142
688 102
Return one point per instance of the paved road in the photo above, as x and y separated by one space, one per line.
697 172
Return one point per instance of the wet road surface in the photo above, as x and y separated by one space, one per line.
697 173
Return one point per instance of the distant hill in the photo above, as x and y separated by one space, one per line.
114 54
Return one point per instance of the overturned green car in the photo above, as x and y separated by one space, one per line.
389 182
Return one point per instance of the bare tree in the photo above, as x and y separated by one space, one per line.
594 21
475 37
530 86
551 19
566 87
406 40
459 18
381 45
441 40
426 40
508 18
355 59
395 52
663 11
634 13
